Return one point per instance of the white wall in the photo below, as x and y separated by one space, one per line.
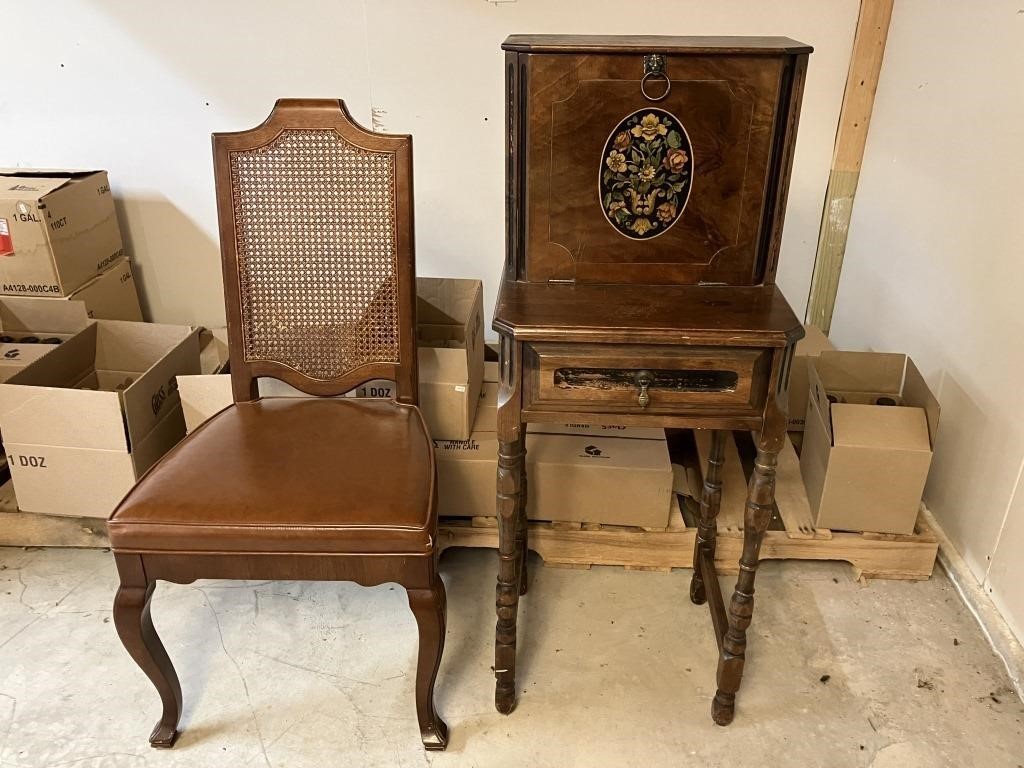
137 88
935 263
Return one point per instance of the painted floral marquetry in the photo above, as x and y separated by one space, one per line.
645 174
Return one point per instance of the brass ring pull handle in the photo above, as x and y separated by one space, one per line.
644 379
654 68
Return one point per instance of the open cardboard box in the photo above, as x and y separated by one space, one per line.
58 230
865 465
45 320
807 349
84 422
450 340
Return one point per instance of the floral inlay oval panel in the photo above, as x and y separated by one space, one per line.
645 175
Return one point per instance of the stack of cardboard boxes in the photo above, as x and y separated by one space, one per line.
59 239
88 399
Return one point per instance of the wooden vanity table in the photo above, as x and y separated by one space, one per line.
646 191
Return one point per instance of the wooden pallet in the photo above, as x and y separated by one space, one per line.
791 534
873 555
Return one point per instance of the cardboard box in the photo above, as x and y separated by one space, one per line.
205 394
807 349
111 295
864 465
467 475
450 336
202 397
598 479
581 478
487 411
58 230
84 422
24 318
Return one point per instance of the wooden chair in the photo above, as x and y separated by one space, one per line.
316 227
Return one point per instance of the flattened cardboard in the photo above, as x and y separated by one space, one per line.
58 229
865 466
810 346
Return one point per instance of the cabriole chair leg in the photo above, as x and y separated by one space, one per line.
429 608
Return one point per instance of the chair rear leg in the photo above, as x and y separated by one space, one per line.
430 609
135 628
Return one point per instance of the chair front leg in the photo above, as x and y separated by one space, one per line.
429 606
135 628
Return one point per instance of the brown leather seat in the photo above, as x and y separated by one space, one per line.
289 474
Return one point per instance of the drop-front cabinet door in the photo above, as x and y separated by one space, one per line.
625 187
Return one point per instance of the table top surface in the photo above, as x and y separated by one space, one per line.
654 44
666 314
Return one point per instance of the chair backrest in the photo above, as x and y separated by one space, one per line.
316 233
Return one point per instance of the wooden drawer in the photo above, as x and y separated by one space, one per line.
610 377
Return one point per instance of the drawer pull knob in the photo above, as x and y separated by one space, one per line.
644 379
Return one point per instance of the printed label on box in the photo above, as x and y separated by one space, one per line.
6 244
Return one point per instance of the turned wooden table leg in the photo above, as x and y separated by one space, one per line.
522 540
510 489
760 499
710 502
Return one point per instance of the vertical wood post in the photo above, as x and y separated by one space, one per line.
851 135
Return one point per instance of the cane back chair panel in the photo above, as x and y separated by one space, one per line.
316 233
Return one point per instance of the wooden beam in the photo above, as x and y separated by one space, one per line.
851 136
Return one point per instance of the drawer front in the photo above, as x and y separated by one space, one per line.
641 378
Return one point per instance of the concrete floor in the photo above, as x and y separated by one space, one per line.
617 668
